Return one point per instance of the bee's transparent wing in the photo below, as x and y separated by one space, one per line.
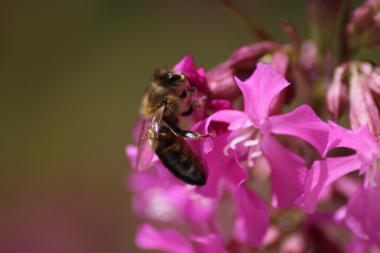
148 140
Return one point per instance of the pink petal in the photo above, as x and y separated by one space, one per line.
253 216
360 140
131 153
288 172
363 214
156 199
259 90
197 77
210 243
186 65
163 200
212 188
302 122
220 104
357 245
236 119
374 82
280 61
221 169
167 240
141 181
295 243
337 96
310 57
322 174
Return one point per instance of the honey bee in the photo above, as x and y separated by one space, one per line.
161 107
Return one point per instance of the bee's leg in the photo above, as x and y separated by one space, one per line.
187 91
184 133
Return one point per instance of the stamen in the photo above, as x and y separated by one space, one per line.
255 154
251 143
252 155
251 163
235 141
225 150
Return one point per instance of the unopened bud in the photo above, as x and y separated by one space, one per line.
364 24
241 63
363 109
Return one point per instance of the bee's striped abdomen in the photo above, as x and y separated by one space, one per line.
179 158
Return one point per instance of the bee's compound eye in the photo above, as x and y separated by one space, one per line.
175 79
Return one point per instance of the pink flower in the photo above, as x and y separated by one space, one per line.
252 132
356 84
325 172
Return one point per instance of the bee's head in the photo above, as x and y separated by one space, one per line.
169 78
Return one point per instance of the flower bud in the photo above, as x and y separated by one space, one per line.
241 63
363 108
374 82
337 97
364 24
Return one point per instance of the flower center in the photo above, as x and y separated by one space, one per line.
250 139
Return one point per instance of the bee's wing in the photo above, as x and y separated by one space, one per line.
148 140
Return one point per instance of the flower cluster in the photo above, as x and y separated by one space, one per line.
282 177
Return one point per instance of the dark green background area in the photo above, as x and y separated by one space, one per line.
72 74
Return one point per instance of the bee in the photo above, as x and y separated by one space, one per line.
161 107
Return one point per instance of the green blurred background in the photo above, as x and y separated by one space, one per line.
72 74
